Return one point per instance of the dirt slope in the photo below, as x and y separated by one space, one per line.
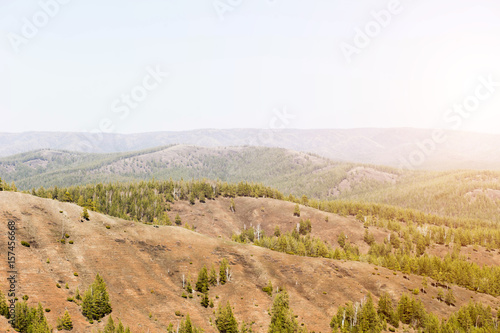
143 267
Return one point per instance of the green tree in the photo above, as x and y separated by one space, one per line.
65 322
178 220
212 276
449 298
269 288
385 309
204 300
223 271
4 308
96 303
225 320
368 318
202 282
110 326
85 214
67 197
296 210
282 318
341 239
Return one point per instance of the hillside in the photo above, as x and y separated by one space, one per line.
289 171
460 150
143 264
462 193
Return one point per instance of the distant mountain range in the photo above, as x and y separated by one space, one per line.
396 147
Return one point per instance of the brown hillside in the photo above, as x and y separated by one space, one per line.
143 265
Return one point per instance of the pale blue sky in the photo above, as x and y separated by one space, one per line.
235 68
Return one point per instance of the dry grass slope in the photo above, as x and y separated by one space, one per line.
143 265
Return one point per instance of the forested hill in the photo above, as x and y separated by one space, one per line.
394 147
467 194
288 171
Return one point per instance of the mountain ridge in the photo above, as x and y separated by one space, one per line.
409 148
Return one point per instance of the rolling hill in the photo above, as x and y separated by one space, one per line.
395 147
144 265
289 171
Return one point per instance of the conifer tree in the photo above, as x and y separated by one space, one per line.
296 211
120 328
85 214
212 276
282 318
269 288
178 220
449 298
65 322
368 318
223 270
38 322
4 308
202 283
225 320
204 300
110 326
96 303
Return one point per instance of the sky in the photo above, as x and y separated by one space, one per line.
168 65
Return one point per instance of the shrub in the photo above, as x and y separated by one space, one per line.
24 243
108 227
184 295
66 235
71 242
47 310
178 313
58 285
75 274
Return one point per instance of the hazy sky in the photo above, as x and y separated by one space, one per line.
86 65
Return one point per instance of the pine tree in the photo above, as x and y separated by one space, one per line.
204 300
449 298
189 289
38 320
110 326
296 211
282 318
212 276
202 283
4 308
368 319
225 320
385 309
178 220
120 328
67 197
77 294
224 268
96 303
65 323
269 288
85 214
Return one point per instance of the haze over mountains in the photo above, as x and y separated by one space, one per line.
396 147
